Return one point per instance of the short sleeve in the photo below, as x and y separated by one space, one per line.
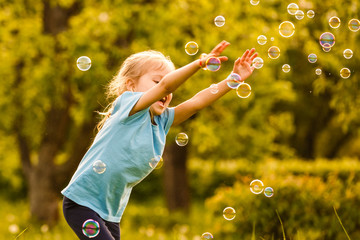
124 103
167 119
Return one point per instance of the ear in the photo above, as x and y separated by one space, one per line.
130 85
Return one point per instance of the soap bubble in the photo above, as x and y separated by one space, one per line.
348 53
243 90
299 14
213 64
345 73
254 2
272 39
334 22
219 21
292 8
326 47
83 63
286 29
354 25
91 228
99 167
312 58
286 68
206 236
214 88
261 39
181 139
233 80
256 186
191 48
318 71
229 213
327 40
258 63
268 192
274 52
156 162
310 14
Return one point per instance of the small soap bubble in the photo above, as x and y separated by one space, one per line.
326 47
99 167
181 139
254 2
268 191
354 25
219 21
286 29
262 39
334 22
243 90
229 213
213 64
191 48
345 73
312 58
272 39
233 80
318 71
327 40
274 52
91 228
310 14
348 53
286 68
258 63
207 236
299 14
156 162
292 8
256 186
83 63
214 88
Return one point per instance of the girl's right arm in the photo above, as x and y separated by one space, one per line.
170 82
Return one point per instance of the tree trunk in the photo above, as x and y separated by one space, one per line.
176 183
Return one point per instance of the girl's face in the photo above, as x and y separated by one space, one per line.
149 80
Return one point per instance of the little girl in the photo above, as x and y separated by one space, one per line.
133 133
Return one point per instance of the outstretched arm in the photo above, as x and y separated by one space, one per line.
204 98
170 82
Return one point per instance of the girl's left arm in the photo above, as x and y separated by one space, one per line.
205 98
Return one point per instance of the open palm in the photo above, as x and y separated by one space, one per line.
242 65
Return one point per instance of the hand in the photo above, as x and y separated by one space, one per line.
242 66
215 53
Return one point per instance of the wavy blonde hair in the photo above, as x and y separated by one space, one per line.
132 69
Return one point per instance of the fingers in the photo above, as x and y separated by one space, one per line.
223 58
220 48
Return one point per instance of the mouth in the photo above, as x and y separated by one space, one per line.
162 101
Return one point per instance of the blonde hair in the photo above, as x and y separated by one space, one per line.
132 69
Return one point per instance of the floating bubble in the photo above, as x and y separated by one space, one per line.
299 14
292 8
272 39
326 47
214 88
286 29
258 63
348 53
99 167
233 80
354 25
334 22
229 213
91 228
310 14
206 236
213 64
254 2
181 139
83 63
312 58
268 192
318 71
345 73
219 21
156 162
256 186
274 52
327 40
191 48
286 68
261 39
243 90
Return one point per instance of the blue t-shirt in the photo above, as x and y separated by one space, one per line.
124 147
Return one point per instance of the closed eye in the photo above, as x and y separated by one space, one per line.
156 81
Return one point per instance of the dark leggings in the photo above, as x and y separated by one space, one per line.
76 215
